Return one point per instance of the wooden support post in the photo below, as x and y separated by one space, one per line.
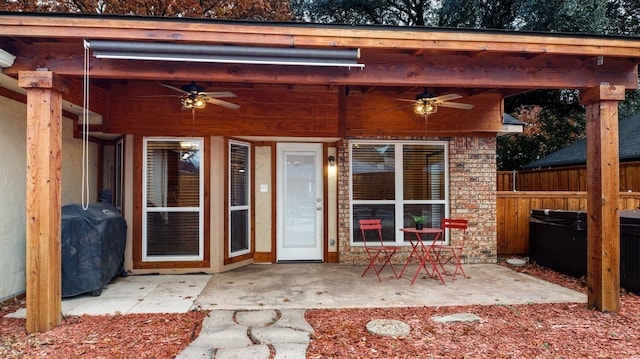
44 157
603 182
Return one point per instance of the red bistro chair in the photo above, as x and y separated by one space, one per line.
379 255
451 253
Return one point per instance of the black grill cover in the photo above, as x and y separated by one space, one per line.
93 244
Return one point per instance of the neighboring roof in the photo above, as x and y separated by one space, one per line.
507 119
576 154
511 125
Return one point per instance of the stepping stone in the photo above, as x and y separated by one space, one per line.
217 320
290 351
192 352
253 352
389 327
460 317
274 335
294 319
231 337
256 318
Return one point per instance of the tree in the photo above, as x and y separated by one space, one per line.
277 10
554 118
540 15
478 14
584 16
624 17
386 12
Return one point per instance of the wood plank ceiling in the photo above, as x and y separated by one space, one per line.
482 66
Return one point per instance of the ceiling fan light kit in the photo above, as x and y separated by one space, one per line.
426 103
195 97
193 101
425 107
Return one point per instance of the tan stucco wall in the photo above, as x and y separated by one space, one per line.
263 200
13 134
127 199
72 167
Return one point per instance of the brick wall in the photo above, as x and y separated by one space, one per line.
472 195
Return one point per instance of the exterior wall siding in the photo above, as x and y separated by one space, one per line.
13 137
472 196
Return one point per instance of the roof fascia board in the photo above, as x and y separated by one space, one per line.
321 36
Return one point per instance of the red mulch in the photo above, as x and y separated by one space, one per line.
505 331
567 330
103 336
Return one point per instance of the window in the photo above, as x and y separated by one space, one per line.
173 211
239 199
393 181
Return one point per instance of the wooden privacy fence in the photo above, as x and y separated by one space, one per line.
513 210
570 178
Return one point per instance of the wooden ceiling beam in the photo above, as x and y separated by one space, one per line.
388 70
368 89
478 53
535 56
99 96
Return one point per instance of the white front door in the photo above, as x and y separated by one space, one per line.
300 204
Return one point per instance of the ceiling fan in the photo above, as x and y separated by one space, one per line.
194 96
427 103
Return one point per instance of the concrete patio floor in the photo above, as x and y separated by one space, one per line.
137 294
308 286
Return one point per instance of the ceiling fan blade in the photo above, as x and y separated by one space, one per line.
222 103
173 88
449 97
404 99
224 94
463 106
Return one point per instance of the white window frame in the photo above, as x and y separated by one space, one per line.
399 201
243 207
199 208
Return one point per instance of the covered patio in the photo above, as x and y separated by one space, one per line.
345 112
314 286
